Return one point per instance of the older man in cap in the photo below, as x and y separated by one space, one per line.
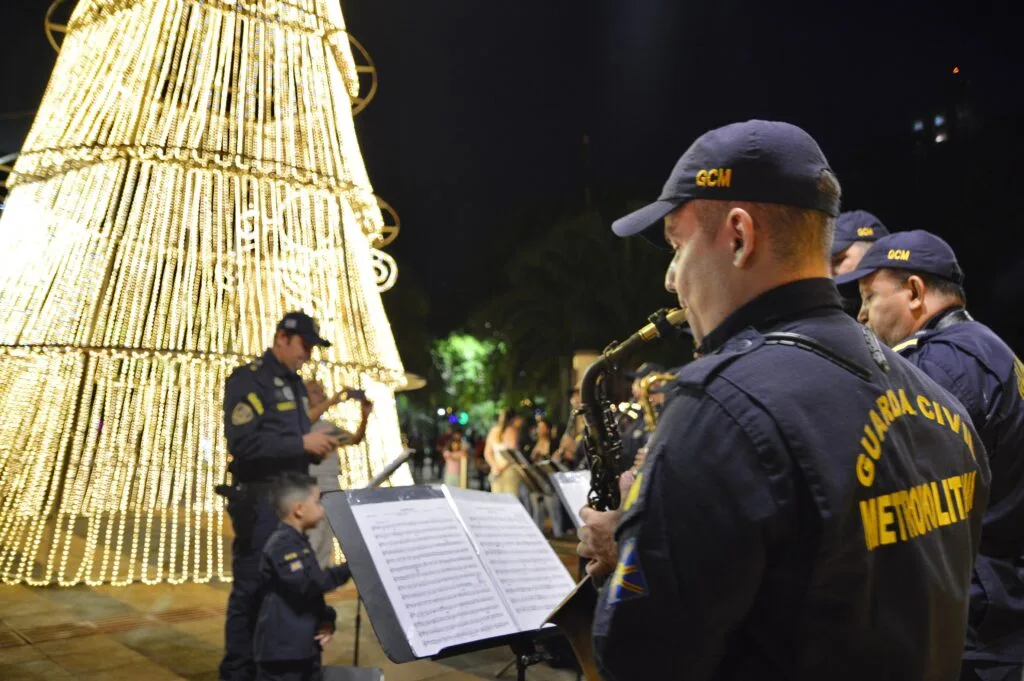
268 433
912 290
856 230
783 525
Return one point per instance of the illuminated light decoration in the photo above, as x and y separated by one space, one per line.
192 174
940 138
940 120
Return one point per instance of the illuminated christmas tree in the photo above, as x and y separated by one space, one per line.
192 174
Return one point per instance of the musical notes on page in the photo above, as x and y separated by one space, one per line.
528 573
438 587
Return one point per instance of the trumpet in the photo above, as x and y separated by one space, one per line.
646 384
602 445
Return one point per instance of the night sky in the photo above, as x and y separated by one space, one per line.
483 105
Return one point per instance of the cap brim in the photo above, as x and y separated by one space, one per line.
316 340
646 221
853 276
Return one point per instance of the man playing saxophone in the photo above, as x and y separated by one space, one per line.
810 505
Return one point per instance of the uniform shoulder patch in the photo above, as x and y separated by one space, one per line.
628 581
295 565
290 556
242 414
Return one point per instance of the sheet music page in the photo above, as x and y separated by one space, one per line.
572 488
529 573
441 593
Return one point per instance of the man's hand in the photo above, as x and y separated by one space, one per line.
324 634
319 444
597 540
626 481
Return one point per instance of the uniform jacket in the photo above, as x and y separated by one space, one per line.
293 587
970 361
810 508
265 417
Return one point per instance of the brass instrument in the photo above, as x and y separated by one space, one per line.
602 445
646 384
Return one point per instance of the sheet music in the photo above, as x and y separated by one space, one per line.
529 574
572 488
440 591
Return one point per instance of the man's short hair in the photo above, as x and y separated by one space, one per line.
934 283
794 233
290 488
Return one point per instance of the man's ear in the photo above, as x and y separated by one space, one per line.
917 289
742 239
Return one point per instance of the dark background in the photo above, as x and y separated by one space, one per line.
496 120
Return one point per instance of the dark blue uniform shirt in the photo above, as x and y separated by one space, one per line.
803 513
634 438
979 369
265 417
293 607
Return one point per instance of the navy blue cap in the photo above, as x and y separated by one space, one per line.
304 325
645 369
917 251
758 161
856 225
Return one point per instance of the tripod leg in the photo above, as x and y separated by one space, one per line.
504 669
359 610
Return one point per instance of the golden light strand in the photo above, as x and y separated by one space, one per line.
192 174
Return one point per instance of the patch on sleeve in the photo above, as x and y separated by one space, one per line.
295 565
242 414
628 581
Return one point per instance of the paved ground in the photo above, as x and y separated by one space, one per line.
176 632
169 631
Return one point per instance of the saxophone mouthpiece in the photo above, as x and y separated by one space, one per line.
661 321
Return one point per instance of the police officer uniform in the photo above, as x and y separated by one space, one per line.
853 226
970 361
265 417
810 504
293 609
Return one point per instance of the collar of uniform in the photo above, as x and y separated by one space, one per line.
291 530
773 306
276 367
934 322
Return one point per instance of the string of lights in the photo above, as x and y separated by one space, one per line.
191 175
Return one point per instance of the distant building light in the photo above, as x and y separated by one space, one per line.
918 126
956 70
940 138
940 120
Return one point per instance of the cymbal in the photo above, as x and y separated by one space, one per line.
412 382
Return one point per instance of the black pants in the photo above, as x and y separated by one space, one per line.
972 670
254 520
290 670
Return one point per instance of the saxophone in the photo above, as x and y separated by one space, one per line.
602 445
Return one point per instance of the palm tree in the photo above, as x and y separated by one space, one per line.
577 287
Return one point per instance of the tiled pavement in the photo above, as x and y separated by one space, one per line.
167 631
